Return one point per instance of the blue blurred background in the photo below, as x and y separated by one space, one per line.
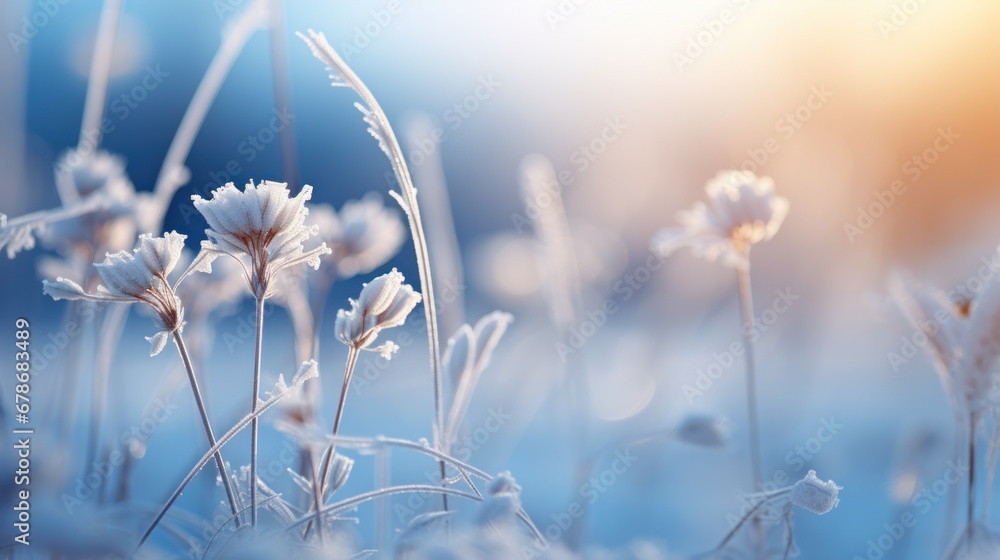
562 72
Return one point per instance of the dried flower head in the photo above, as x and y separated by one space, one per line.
742 211
813 494
963 333
262 227
364 235
383 303
138 276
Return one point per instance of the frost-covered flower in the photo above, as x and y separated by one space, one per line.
262 227
813 494
503 500
138 276
384 303
364 235
742 211
96 211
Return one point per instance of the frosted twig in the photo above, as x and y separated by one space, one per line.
380 128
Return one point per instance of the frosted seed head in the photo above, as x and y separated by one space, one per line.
376 296
405 299
813 494
504 483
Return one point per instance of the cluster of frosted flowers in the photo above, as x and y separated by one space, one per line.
742 211
383 303
262 227
137 276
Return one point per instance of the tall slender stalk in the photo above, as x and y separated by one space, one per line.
746 311
753 419
97 82
301 377
324 473
254 424
407 198
203 411
970 514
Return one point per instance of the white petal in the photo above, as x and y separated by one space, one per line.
377 295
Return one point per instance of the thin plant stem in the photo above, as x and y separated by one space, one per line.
317 494
970 514
240 426
991 464
383 475
324 473
97 83
254 424
355 501
432 189
753 420
407 198
203 411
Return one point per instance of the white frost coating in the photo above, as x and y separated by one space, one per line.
262 227
384 303
813 494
